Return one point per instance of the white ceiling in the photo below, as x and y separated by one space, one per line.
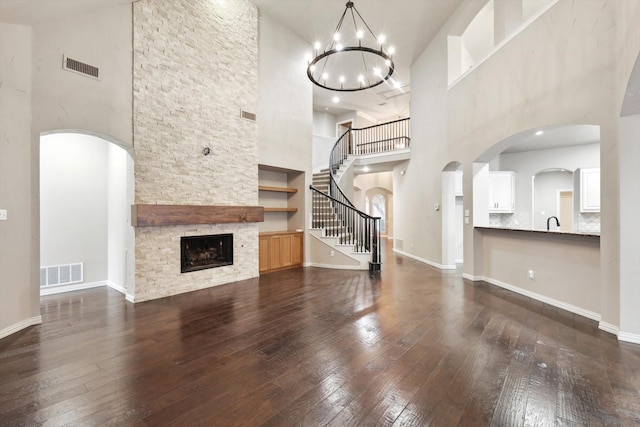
555 137
408 24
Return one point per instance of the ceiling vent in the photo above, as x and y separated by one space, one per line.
394 93
247 115
80 67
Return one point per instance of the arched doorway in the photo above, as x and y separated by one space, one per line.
86 190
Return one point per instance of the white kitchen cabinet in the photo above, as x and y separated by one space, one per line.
590 190
458 182
502 187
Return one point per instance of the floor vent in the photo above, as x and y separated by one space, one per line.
61 274
247 115
80 67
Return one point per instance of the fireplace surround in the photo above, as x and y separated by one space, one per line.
202 252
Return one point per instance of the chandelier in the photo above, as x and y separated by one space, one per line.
347 64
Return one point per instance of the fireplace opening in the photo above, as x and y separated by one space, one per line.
202 252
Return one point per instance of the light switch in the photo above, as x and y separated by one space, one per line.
3 214
466 220
436 207
466 212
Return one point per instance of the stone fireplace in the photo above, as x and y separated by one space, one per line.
202 252
196 158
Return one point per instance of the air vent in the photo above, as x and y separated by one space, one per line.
80 67
61 274
393 93
247 115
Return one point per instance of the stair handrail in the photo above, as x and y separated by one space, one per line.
363 232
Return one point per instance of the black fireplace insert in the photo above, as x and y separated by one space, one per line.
202 252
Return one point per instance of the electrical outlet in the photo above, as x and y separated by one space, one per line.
332 253
531 274
3 214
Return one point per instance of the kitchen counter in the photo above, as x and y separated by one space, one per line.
544 232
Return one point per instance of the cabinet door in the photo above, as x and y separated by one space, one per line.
501 192
590 190
265 253
286 247
275 258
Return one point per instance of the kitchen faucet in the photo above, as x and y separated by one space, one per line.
549 219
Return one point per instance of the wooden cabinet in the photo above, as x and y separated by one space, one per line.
280 250
590 190
502 192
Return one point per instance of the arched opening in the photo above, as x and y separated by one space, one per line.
379 209
86 191
508 193
452 215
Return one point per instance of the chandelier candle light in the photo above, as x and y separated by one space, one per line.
354 67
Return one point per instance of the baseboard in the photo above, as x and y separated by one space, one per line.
116 287
622 336
560 304
608 327
120 289
628 337
472 277
425 261
337 267
37 320
70 288
130 298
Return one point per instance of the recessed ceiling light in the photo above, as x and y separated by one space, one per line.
539 133
335 99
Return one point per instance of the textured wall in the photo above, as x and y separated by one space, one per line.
195 68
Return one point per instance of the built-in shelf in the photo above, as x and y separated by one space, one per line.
280 209
277 189
281 193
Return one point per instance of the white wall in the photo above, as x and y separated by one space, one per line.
324 124
285 102
19 290
629 226
322 146
324 138
545 195
73 203
120 236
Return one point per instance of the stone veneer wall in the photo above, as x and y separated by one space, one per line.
195 67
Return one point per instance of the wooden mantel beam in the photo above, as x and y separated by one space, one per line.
157 215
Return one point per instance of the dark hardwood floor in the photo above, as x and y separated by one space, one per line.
414 347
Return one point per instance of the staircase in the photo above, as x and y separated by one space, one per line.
329 226
335 220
